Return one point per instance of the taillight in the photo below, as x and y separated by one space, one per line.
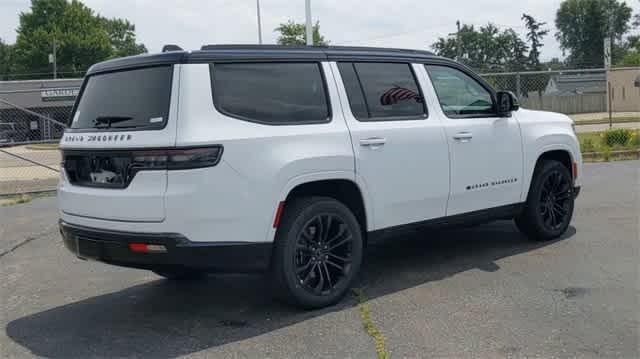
193 158
176 158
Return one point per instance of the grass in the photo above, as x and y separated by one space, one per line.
13 200
43 146
369 325
603 145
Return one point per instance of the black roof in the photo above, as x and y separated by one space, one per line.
222 53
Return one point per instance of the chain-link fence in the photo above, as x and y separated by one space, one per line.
31 124
34 114
569 91
41 75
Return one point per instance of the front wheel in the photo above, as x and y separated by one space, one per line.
549 207
317 253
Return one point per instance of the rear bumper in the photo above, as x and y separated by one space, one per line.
576 191
112 247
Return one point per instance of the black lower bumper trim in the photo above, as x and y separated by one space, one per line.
112 247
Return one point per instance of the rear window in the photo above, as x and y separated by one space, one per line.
271 93
133 99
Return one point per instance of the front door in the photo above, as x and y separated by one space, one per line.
486 150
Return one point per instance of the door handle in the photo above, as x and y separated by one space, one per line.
463 136
373 142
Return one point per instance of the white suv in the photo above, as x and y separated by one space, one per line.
288 160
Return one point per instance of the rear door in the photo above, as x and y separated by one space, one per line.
486 150
401 152
118 118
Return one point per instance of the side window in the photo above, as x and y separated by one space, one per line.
459 94
354 91
382 91
271 93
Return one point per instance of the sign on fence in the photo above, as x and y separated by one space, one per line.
59 94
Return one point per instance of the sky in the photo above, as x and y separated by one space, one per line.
396 23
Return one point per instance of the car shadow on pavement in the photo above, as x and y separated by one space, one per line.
164 319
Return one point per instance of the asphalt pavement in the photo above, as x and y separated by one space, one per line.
483 292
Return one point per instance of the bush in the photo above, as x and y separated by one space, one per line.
606 154
616 136
635 139
588 145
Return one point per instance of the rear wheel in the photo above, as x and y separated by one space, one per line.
181 274
549 207
317 253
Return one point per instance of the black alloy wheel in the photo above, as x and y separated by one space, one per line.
550 202
554 200
317 252
323 254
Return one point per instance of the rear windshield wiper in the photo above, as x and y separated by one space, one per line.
107 121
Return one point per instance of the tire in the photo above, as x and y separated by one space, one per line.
180 274
550 202
317 252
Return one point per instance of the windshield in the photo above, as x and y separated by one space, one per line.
125 99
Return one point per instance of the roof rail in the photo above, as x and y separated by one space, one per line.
170 47
319 48
257 47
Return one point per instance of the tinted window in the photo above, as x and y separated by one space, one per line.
459 94
354 91
390 91
271 93
125 99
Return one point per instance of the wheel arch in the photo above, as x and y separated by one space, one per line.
345 190
560 153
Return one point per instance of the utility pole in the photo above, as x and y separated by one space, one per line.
53 60
608 44
307 6
458 43
259 22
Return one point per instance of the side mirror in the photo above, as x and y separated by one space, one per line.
507 103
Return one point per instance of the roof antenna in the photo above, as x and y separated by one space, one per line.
167 48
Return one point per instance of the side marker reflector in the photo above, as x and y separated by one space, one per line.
276 221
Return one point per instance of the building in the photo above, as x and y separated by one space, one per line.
577 84
21 101
625 89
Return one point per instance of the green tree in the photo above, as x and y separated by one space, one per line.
583 25
292 33
632 58
535 33
6 62
487 49
555 64
81 37
122 34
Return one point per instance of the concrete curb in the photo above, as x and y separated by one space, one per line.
613 154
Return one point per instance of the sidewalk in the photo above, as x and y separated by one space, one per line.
580 117
20 176
605 126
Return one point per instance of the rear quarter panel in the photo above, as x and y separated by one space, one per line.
262 162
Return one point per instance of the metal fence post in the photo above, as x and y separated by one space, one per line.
518 86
